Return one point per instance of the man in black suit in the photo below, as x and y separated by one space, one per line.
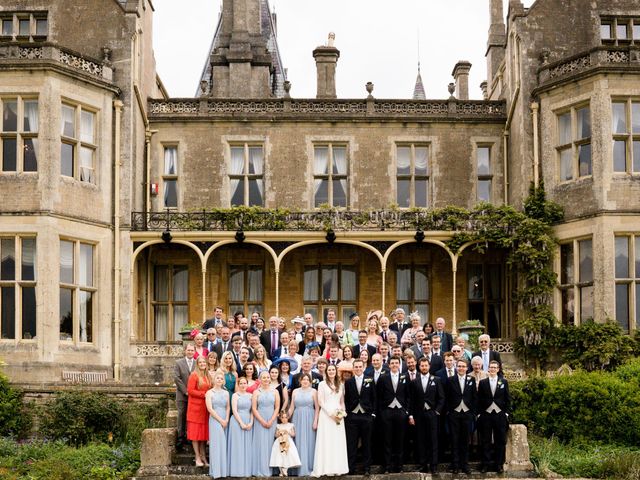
360 404
363 345
486 354
446 339
461 405
270 338
494 404
216 321
305 367
393 405
445 374
224 342
435 361
427 405
399 326
182 371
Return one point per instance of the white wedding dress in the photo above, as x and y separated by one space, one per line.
331 440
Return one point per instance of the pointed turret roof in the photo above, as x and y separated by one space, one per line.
269 34
418 90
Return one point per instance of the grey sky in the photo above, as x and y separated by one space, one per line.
377 39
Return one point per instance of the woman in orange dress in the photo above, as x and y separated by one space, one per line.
197 414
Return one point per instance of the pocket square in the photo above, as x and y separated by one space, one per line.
502 386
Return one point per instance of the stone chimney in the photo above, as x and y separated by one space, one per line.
461 77
496 40
326 61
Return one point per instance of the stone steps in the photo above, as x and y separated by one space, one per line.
183 472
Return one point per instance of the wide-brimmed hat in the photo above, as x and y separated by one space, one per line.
293 364
298 320
377 313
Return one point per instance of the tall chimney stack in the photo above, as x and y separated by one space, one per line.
496 40
326 61
461 77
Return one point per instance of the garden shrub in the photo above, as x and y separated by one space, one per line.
15 418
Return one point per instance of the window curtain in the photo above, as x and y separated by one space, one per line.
170 161
311 284
635 117
180 284
86 265
31 116
340 167
68 123
422 161
564 128
66 262
255 284
330 283
403 283
180 319
161 315
28 259
85 316
320 167
348 284
256 165
403 166
619 118
86 165
236 284
421 284
237 168
86 127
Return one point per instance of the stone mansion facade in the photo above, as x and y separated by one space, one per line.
114 223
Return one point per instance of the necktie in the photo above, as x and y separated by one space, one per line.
274 341
461 380
485 361
394 379
359 384
412 375
284 350
492 382
384 335
450 373
190 364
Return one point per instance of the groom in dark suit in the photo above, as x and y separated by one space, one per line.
461 405
360 403
393 405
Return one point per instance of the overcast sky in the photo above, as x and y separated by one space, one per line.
377 39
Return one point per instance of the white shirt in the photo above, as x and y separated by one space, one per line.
189 363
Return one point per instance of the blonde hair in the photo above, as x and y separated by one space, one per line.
223 367
202 376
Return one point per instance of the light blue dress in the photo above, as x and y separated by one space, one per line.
263 437
218 436
239 449
305 438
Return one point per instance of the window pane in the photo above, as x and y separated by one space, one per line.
566 164
494 282
170 161
403 195
339 193
161 283
310 284
180 319
584 159
475 282
484 190
635 117
9 155
28 259
170 193
236 283
321 161
237 161
68 123
180 283
10 116
619 156
619 117
494 323
313 311
483 161
637 259
66 314
586 303
584 122
7 27
564 128
161 322
637 304
422 193
403 166
636 31
348 287
87 120
86 165
23 27
568 307
421 166
476 311
622 257
329 283
423 311
28 313
586 260
566 264
237 192
8 259
621 31
41 27
30 155
66 262
255 284
605 31
622 306
256 161
30 122
636 156
8 315
86 265
346 312
86 316
421 284
66 160
403 283
340 160
256 189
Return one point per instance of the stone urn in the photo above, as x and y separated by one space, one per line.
472 329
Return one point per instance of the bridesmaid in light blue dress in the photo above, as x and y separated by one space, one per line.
239 448
304 411
217 401
265 405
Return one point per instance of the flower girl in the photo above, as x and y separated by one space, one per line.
284 454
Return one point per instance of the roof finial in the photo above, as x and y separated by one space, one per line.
418 50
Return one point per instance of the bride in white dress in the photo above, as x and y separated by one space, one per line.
331 441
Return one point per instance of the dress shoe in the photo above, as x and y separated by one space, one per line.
367 471
425 470
500 469
466 470
433 470
483 469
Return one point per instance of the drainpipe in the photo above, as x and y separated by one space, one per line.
147 180
117 104
536 160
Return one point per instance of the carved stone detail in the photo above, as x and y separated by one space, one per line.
30 52
502 347
244 107
158 350
617 56
421 108
570 67
80 63
175 107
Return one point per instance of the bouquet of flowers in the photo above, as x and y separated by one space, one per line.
340 414
283 441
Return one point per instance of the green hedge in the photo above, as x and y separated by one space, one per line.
596 406
15 417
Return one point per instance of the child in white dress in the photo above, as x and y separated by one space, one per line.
284 453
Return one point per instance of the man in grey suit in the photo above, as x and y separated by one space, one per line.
182 370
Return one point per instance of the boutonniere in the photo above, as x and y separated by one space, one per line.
500 385
315 381
499 382
367 385
403 378
368 381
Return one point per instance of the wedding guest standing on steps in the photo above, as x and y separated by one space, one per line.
197 415
217 401
182 371
304 411
240 435
265 406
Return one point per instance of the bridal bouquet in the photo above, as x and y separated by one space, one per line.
340 414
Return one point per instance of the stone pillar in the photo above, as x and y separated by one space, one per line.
156 451
496 40
485 92
326 61
517 454
461 76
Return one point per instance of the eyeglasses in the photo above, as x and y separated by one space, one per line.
484 341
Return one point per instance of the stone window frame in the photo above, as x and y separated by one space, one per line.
573 283
38 26
19 284
331 144
246 178
412 177
169 302
629 283
77 288
248 306
630 137
24 139
575 143
342 307
484 177
613 23
170 177
485 302
78 144
410 304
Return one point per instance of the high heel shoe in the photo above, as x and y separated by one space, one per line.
199 464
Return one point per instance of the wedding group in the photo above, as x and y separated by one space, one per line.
256 398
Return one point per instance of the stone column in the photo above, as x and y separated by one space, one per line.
461 76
